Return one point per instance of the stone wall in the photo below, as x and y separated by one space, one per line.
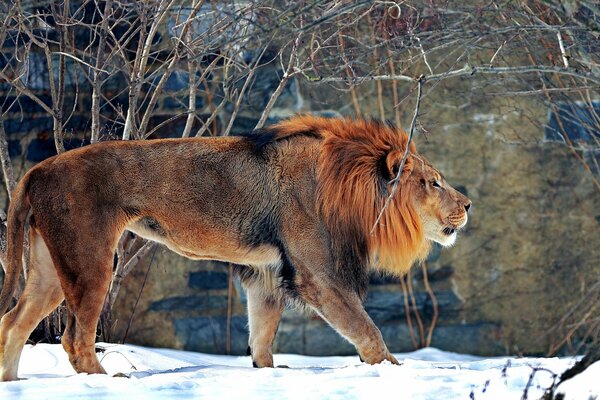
184 304
531 246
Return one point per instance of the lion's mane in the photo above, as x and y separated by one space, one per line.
352 188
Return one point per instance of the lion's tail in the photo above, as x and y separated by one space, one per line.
17 215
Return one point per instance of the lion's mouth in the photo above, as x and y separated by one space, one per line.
449 231
454 226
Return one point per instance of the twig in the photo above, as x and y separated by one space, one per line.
377 63
96 84
139 67
140 293
396 180
214 112
407 312
238 102
350 74
7 169
434 303
58 91
424 55
163 123
413 300
213 117
17 84
394 90
468 70
124 266
562 129
534 371
176 56
191 99
535 92
593 293
145 249
122 355
562 50
9 181
496 54
287 74
71 56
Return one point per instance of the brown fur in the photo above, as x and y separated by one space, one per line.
351 191
293 206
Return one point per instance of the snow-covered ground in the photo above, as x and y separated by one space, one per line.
161 373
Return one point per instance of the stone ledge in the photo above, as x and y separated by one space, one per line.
189 303
209 334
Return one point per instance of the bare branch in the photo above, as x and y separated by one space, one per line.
287 74
18 85
139 67
562 50
7 169
191 100
247 81
470 71
396 180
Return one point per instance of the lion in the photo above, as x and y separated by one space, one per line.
293 206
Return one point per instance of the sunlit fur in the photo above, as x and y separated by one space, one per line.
351 191
293 205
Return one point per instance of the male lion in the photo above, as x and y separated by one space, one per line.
293 206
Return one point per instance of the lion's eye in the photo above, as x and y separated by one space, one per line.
436 184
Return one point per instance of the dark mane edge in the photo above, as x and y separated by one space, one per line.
263 137
285 129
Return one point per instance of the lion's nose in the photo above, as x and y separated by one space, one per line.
467 206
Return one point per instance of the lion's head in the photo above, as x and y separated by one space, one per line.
442 209
358 162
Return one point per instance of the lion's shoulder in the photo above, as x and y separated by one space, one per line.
292 128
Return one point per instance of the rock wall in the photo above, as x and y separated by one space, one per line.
531 247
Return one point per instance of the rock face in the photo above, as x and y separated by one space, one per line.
531 248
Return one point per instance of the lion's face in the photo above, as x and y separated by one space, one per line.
442 209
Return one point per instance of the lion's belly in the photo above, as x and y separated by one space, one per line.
203 245
256 257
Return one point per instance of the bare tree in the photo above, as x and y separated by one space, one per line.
123 54
126 53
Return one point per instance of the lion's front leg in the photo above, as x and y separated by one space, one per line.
264 314
343 310
318 285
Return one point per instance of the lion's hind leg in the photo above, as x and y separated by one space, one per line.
82 245
41 296
85 292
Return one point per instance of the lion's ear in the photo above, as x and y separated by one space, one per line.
393 161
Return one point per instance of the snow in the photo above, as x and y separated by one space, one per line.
45 373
